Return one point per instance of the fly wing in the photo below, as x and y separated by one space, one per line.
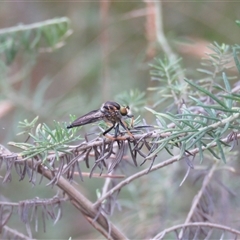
90 117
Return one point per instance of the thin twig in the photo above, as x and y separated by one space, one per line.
195 224
160 32
103 175
38 25
14 234
199 195
162 40
36 202
96 226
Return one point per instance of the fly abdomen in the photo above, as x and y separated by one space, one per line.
90 117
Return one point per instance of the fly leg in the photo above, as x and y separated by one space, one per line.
116 130
108 130
124 125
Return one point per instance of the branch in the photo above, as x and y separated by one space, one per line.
154 168
160 33
38 25
102 149
82 203
196 224
28 211
35 202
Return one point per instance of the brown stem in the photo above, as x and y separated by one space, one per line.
82 203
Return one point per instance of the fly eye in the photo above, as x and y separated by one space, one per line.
124 111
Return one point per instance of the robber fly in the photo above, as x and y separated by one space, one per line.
111 112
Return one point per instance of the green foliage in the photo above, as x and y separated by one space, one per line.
29 41
236 57
218 113
218 60
203 122
32 37
166 73
46 141
27 126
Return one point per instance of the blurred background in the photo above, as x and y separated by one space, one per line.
108 53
